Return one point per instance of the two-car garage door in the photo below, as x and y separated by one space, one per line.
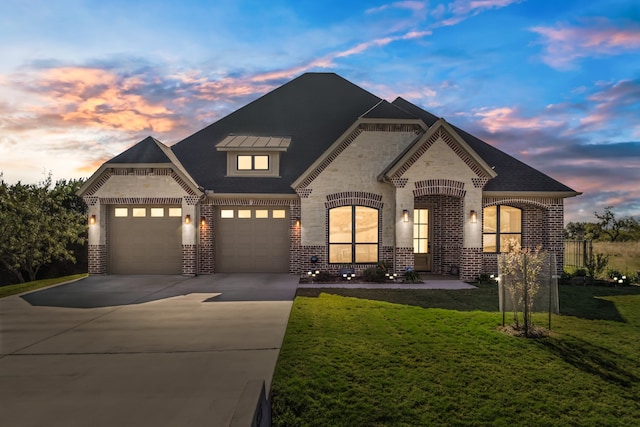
145 239
252 239
148 239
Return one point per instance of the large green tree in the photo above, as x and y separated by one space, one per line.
39 223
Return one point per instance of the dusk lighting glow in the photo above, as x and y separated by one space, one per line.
554 84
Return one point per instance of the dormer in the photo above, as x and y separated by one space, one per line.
253 156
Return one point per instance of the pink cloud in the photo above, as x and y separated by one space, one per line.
564 44
505 118
98 98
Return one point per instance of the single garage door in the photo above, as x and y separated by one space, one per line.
252 240
145 240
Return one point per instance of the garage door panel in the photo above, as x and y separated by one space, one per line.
145 245
250 244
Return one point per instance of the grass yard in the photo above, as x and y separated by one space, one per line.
8 290
428 357
624 256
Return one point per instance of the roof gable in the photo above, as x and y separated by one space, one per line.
313 110
512 174
439 130
146 151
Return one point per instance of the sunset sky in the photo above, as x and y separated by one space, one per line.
555 83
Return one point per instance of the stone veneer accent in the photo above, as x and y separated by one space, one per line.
97 259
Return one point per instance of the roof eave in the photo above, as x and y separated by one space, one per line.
545 194
269 196
178 170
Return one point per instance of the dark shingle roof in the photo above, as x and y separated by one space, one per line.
385 110
513 175
313 109
145 151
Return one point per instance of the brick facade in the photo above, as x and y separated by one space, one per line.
542 226
97 259
206 238
189 259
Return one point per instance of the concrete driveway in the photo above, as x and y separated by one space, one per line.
140 350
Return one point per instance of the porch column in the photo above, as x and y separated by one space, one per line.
190 226
471 262
97 235
404 230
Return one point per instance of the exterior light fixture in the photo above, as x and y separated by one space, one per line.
474 217
405 215
92 219
298 222
203 221
187 219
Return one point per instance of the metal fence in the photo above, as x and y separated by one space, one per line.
577 253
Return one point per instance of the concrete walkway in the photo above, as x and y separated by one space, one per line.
140 350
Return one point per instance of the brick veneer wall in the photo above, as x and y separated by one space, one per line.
97 259
472 264
446 231
294 238
189 259
542 225
207 243
404 259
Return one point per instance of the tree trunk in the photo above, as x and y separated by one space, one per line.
13 270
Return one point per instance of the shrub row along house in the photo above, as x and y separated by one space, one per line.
318 174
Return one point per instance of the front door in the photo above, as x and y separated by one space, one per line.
421 243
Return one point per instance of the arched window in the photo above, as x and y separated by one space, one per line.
500 224
353 235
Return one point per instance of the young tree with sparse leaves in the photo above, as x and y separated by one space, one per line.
38 223
522 270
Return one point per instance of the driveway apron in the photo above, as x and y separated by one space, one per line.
140 350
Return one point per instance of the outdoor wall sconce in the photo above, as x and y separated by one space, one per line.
474 217
92 219
405 215
298 222
203 221
187 219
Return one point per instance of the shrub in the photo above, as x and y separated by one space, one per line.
376 274
596 264
411 276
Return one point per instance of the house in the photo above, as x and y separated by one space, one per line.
319 174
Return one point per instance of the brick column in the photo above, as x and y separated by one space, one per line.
207 212
471 264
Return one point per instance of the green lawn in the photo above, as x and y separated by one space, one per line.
8 290
424 357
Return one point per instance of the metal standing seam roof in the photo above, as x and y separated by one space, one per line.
248 142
